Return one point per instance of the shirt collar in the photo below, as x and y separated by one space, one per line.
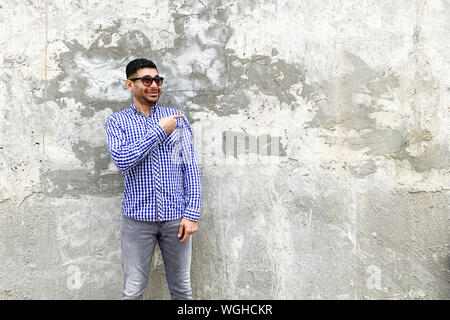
135 110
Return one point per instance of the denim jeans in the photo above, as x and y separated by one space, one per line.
138 240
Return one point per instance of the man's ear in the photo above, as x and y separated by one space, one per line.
129 84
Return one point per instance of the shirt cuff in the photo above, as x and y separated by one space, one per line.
191 214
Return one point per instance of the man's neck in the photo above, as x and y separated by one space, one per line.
143 108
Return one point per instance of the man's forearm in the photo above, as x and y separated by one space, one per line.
193 192
127 156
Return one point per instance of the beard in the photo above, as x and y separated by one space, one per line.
144 98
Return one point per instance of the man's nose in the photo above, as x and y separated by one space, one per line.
153 84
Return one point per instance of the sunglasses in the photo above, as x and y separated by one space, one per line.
147 80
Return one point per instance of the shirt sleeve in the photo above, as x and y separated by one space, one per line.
127 155
191 174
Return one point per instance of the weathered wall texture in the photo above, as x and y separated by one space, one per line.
322 129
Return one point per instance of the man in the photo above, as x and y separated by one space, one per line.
152 146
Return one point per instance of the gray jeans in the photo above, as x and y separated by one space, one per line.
138 240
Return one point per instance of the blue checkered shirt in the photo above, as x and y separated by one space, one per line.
161 173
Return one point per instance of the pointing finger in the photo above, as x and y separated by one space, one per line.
176 116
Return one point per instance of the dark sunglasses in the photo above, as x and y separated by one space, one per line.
147 80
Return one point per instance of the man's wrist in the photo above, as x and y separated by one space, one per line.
190 219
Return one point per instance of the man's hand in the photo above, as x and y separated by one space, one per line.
187 227
169 123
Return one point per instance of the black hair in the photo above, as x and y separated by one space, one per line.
135 65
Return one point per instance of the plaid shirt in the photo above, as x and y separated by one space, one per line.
161 172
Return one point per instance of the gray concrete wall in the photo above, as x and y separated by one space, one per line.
321 127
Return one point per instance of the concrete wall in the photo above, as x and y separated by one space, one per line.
322 130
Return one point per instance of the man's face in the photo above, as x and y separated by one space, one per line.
144 95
